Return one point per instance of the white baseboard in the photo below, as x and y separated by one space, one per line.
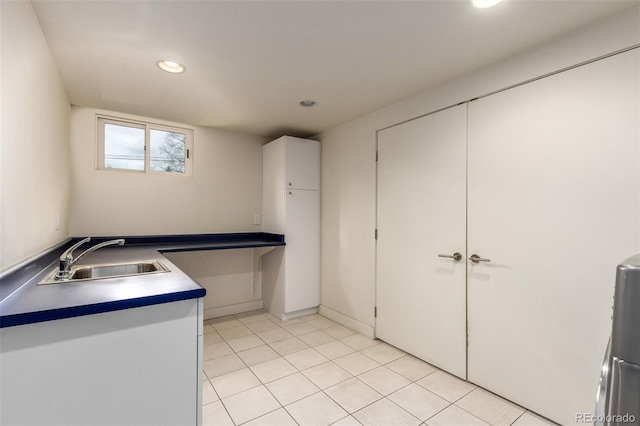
298 314
355 325
232 309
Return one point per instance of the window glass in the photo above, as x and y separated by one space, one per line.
143 147
123 147
167 151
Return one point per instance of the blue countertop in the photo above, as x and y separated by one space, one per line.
23 301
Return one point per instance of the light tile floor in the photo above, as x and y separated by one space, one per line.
259 370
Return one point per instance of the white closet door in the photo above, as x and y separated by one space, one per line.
554 187
420 297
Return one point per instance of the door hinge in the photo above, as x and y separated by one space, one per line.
187 153
376 156
376 234
375 312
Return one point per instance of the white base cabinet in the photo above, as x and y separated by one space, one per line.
139 366
291 206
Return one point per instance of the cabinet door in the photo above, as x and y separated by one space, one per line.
554 188
420 297
303 250
302 163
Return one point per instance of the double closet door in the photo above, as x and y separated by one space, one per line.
542 181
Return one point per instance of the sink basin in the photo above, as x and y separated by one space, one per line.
95 272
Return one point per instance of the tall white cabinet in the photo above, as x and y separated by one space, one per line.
291 206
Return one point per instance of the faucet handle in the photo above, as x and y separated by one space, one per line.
67 254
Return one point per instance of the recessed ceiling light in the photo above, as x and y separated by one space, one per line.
308 103
483 4
171 66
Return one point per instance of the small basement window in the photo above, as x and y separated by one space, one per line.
143 147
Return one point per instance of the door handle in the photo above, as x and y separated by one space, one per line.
455 256
477 259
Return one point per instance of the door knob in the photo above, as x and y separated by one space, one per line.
455 256
477 259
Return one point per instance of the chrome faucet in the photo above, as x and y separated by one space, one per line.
67 260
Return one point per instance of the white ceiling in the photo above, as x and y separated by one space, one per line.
249 63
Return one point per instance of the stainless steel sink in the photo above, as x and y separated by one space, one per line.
96 272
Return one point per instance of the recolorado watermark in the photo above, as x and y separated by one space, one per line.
609 418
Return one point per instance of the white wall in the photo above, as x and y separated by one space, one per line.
222 195
230 277
34 137
349 169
